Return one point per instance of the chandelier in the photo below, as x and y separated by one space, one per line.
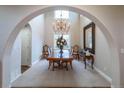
61 25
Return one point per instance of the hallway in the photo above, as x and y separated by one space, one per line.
39 76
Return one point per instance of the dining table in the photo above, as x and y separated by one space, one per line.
61 58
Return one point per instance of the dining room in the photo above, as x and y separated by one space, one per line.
68 55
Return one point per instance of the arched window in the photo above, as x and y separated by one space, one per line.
61 14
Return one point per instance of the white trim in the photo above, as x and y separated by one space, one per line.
103 75
14 80
35 62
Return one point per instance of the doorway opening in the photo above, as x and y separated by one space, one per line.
100 25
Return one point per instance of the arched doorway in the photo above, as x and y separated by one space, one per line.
26 40
114 54
22 48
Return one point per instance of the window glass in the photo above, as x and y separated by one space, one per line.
66 37
61 14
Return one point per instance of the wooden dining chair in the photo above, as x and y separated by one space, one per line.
46 51
75 52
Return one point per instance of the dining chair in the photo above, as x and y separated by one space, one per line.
75 52
46 51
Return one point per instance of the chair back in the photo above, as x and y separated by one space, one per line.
46 51
45 48
75 49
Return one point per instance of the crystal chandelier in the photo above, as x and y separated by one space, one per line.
61 25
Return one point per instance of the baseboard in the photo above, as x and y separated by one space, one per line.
35 62
14 80
103 75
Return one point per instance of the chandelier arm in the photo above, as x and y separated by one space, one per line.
61 25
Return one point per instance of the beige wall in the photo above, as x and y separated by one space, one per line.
74 31
15 61
83 22
26 46
37 26
103 56
48 34
109 18
102 53
75 28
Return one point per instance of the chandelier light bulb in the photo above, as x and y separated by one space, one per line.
61 25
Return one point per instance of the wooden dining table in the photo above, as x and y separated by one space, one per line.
60 58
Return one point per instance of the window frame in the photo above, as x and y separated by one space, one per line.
65 14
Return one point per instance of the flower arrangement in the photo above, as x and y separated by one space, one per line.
61 42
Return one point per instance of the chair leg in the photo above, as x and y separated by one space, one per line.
53 66
67 66
71 64
78 57
92 64
84 59
49 65
85 64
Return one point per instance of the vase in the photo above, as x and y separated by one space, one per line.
61 50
